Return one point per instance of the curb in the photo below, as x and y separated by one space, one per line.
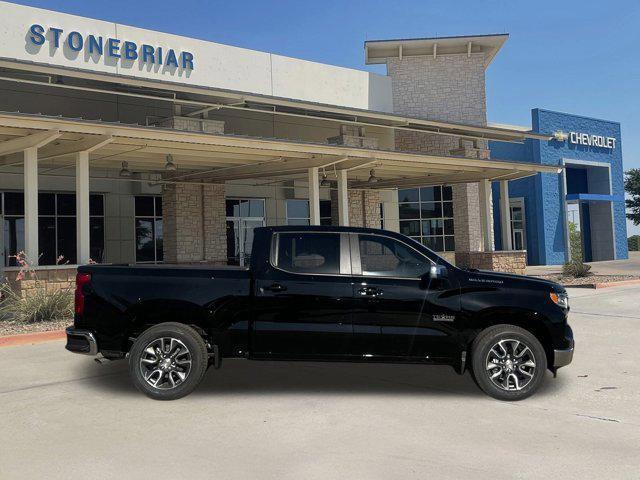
31 338
606 284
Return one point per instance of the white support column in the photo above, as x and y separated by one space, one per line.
31 205
314 197
82 208
343 199
505 215
486 215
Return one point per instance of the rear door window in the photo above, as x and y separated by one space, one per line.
309 253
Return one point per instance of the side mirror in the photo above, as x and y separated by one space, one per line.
437 272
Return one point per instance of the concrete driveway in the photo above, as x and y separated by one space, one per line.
64 416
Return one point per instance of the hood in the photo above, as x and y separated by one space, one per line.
511 279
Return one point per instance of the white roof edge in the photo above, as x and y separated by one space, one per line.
377 51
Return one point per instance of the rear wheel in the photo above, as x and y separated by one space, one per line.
168 361
508 362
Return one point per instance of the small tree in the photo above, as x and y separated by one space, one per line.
634 243
632 187
575 243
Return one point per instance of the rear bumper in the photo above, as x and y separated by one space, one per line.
81 341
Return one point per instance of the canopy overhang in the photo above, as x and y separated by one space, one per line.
197 100
219 158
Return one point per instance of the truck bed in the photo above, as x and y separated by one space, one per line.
122 298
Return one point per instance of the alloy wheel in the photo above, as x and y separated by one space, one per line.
510 364
165 363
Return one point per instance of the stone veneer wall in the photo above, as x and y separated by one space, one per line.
448 88
513 261
194 222
51 279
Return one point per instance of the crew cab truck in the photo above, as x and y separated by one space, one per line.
323 293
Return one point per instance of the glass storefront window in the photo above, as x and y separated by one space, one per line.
426 214
148 225
56 227
298 212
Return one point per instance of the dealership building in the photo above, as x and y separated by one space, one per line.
119 144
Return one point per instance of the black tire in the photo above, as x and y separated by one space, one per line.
170 366
513 377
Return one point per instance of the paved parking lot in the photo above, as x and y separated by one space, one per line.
64 416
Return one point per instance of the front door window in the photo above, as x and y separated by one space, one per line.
384 257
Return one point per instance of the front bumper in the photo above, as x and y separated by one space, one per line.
562 357
81 341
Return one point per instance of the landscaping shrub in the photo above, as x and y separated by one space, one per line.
37 305
576 269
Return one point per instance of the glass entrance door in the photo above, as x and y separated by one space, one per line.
243 216
518 232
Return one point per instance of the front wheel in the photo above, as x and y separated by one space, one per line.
508 362
168 361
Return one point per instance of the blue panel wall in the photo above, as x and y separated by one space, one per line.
544 203
553 152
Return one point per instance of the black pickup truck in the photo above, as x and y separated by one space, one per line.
323 293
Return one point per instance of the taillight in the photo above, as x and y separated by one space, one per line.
81 280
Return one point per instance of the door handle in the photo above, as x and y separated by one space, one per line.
276 287
370 292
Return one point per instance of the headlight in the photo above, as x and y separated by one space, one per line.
560 299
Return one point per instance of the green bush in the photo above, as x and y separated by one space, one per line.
575 242
576 269
634 243
38 305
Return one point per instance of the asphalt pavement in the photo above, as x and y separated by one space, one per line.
65 416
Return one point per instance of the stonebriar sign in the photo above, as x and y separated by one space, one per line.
115 48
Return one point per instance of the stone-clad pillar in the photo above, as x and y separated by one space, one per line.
215 224
356 210
448 88
467 228
364 208
194 221
182 222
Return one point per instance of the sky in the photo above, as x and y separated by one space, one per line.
578 57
